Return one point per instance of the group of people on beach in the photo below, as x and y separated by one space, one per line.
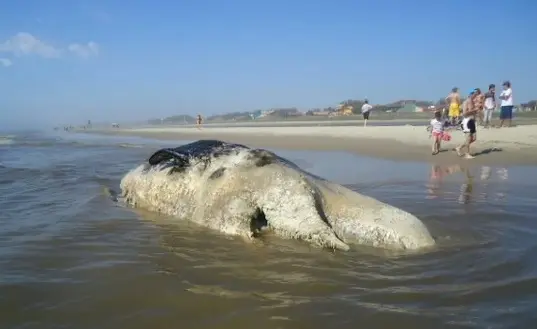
483 104
463 114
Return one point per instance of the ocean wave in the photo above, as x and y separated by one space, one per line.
49 142
6 140
77 144
128 145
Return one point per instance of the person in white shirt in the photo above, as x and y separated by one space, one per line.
437 127
366 109
506 110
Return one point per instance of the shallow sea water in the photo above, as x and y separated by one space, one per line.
72 258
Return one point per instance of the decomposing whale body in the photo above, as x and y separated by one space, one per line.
239 190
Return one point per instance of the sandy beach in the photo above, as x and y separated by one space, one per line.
506 146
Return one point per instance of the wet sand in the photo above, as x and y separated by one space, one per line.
505 146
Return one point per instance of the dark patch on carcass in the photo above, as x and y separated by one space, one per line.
169 158
202 151
217 173
165 155
258 222
180 158
263 157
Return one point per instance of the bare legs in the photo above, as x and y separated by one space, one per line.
488 117
508 123
436 145
465 147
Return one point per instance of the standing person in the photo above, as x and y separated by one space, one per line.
366 109
506 109
490 105
468 103
454 100
468 126
198 121
479 103
445 113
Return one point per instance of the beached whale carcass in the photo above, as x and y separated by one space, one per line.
238 190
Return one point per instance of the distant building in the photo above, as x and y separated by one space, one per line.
257 114
343 109
528 107
321 113
387 108
409 108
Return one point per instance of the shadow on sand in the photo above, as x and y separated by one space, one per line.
478 153
488 151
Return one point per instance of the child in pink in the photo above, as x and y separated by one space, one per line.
437 127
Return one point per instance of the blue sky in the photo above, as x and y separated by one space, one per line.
69 61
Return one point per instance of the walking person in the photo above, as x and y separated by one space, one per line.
437 131
199 120
366 110
468 127
506 109
490 105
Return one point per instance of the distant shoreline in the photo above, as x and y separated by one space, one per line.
506 146
377 118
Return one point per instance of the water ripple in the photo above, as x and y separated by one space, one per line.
71 258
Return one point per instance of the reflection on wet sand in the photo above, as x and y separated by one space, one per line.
436 187
466 188
438 173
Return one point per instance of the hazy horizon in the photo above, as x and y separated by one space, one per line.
104 61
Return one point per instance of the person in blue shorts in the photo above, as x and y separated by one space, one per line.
506 109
